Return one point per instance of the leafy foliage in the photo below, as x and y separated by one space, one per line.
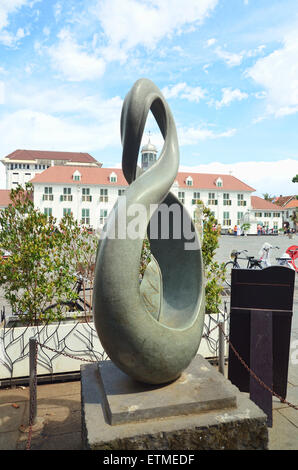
43 260
214 272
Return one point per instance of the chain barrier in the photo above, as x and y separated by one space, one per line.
218 325
251 372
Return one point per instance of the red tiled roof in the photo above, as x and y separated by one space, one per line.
5 197
259 203
291 204
89 175
208 181
78 157
64 174
282 200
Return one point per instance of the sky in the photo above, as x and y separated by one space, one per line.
227 68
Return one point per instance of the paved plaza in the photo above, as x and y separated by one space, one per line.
59 404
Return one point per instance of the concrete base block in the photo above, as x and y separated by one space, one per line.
200 410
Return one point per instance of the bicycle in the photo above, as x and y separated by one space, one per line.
252 263
80 304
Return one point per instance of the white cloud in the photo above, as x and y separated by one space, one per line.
2 92
63 100
7 8
73 62
277 73
146 23
229 95
210 42
11 39
232 59
266 177
31 129
184 91
192 135
57 10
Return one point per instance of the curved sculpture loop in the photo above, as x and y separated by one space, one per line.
151 347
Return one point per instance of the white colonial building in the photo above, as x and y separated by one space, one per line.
22 165
265 214
67 182
88 193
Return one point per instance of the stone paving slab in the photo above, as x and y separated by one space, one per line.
283 435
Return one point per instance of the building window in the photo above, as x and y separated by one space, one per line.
86 194
219 182
66 211
76 176
113 178
267 214
47 211
104 196
66 196
239 217
226 199
121 192
211 199
48 194
85 217
181 196
226 219
189 181
258 214
103 216
276 214
196 197
241 201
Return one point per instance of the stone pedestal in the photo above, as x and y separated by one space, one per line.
200 410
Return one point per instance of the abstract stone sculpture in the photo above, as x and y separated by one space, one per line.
151 348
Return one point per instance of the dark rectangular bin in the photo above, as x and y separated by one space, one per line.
267 290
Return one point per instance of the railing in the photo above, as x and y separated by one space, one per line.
222 337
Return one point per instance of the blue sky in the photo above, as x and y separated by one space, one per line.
228 69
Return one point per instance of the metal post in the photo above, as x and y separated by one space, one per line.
221 347
32 380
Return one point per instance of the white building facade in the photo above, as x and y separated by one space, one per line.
90 194
66 182
22 165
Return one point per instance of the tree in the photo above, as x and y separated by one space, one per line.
295 179
43 258
214 272
267 197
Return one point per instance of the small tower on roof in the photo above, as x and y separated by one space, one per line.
149 154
